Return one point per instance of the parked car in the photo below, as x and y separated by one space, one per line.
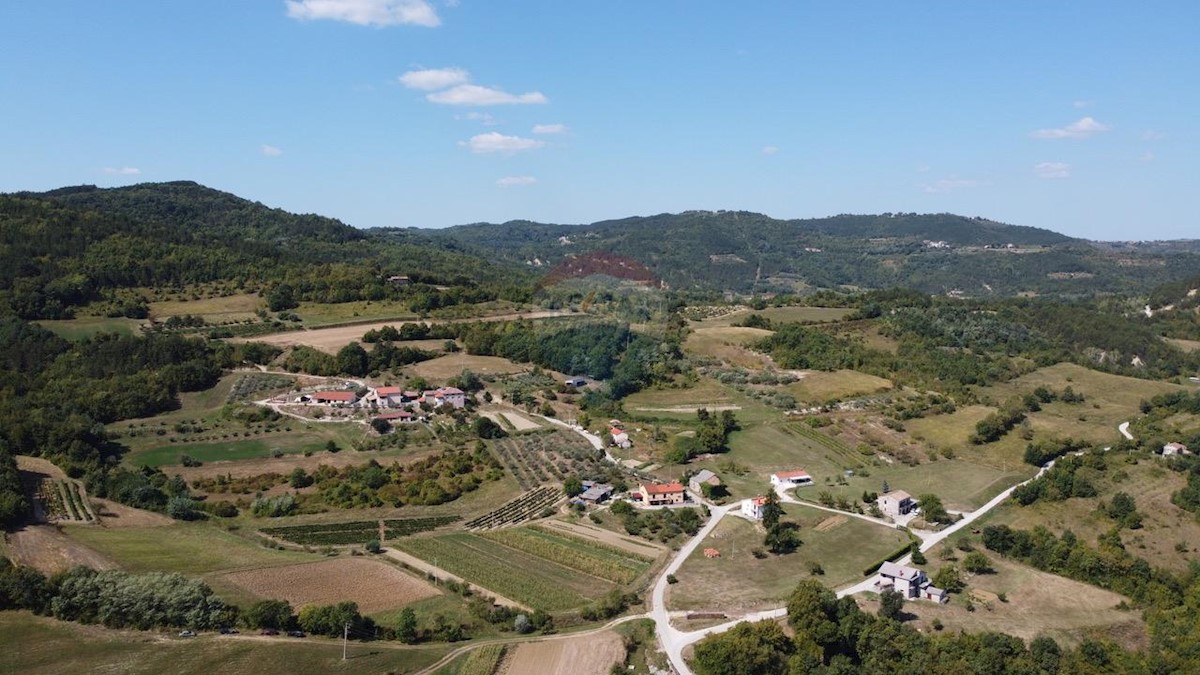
296 633
187 633
269 631
229 631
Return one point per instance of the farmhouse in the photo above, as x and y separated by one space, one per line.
1175 449
451 396
402 416
620 438
389 397
753 508
798 477
659 494
335 397
909 582
595 493
704 477
896 503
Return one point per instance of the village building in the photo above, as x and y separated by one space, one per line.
1175 449
335 397
798 477
660 494
753 508
620 438
389 397
896 503
576 382
909 582
451 396
401 416
704 477
399 280
595 493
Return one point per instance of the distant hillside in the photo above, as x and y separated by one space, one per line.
750 252
67 248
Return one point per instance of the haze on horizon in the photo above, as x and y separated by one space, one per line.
1076 118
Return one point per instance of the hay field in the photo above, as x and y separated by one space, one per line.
374 585
451 365
213 310
818 387
728 344
585 655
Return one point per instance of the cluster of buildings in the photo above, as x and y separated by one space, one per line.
388 397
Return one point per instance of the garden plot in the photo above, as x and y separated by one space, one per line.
513 512
356 532
537 459
374 585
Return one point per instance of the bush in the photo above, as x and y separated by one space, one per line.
373 546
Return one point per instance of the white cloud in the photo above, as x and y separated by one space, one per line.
516 181
122 171
1083 104
271 150
1052 170
1082 128
434 78
769 150
474 94
376 13
549 128
1152 135
497 142
1147 157
483 118
946 185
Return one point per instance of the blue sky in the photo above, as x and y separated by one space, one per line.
1079 117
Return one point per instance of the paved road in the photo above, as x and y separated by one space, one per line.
674 640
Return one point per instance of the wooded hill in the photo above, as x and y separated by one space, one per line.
66 248
750 252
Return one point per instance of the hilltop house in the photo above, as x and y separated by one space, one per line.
661 494
798 477
909 582
338 398
702 478
896 503
1175 449
753 508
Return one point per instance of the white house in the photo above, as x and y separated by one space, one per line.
389 397
896 503
798 477
1175 449
620 438
909 582
753 508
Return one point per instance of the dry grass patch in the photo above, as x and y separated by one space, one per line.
819 387
374 585
585 655
728 344
1185 345
1038 603
213 310
451 365
830 523
46 549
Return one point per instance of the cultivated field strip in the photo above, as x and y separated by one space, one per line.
356 532
597 560
518 510
525 578
540 458
484 660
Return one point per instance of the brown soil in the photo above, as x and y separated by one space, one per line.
586 655
605 537
112 514
374 585
47 550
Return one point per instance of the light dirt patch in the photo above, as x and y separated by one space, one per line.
981 595
584 655
374 585
330 340
112 514
830 523
39 465
520 422
604 537
46 549
713 407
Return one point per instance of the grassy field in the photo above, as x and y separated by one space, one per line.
1164 525
187 548
1185 345
820 387
1110 400
285 443
451 365
763 449
948 431
783 315
319 314
77 329
738 582
51 647
213 310
962 485
523 577
1038 603
727 344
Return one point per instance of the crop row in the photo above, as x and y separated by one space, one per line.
495 568
547 547
356 532
518 510
484 661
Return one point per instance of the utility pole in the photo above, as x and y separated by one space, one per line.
345 639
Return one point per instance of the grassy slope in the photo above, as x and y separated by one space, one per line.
737 581
77 329
52 647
